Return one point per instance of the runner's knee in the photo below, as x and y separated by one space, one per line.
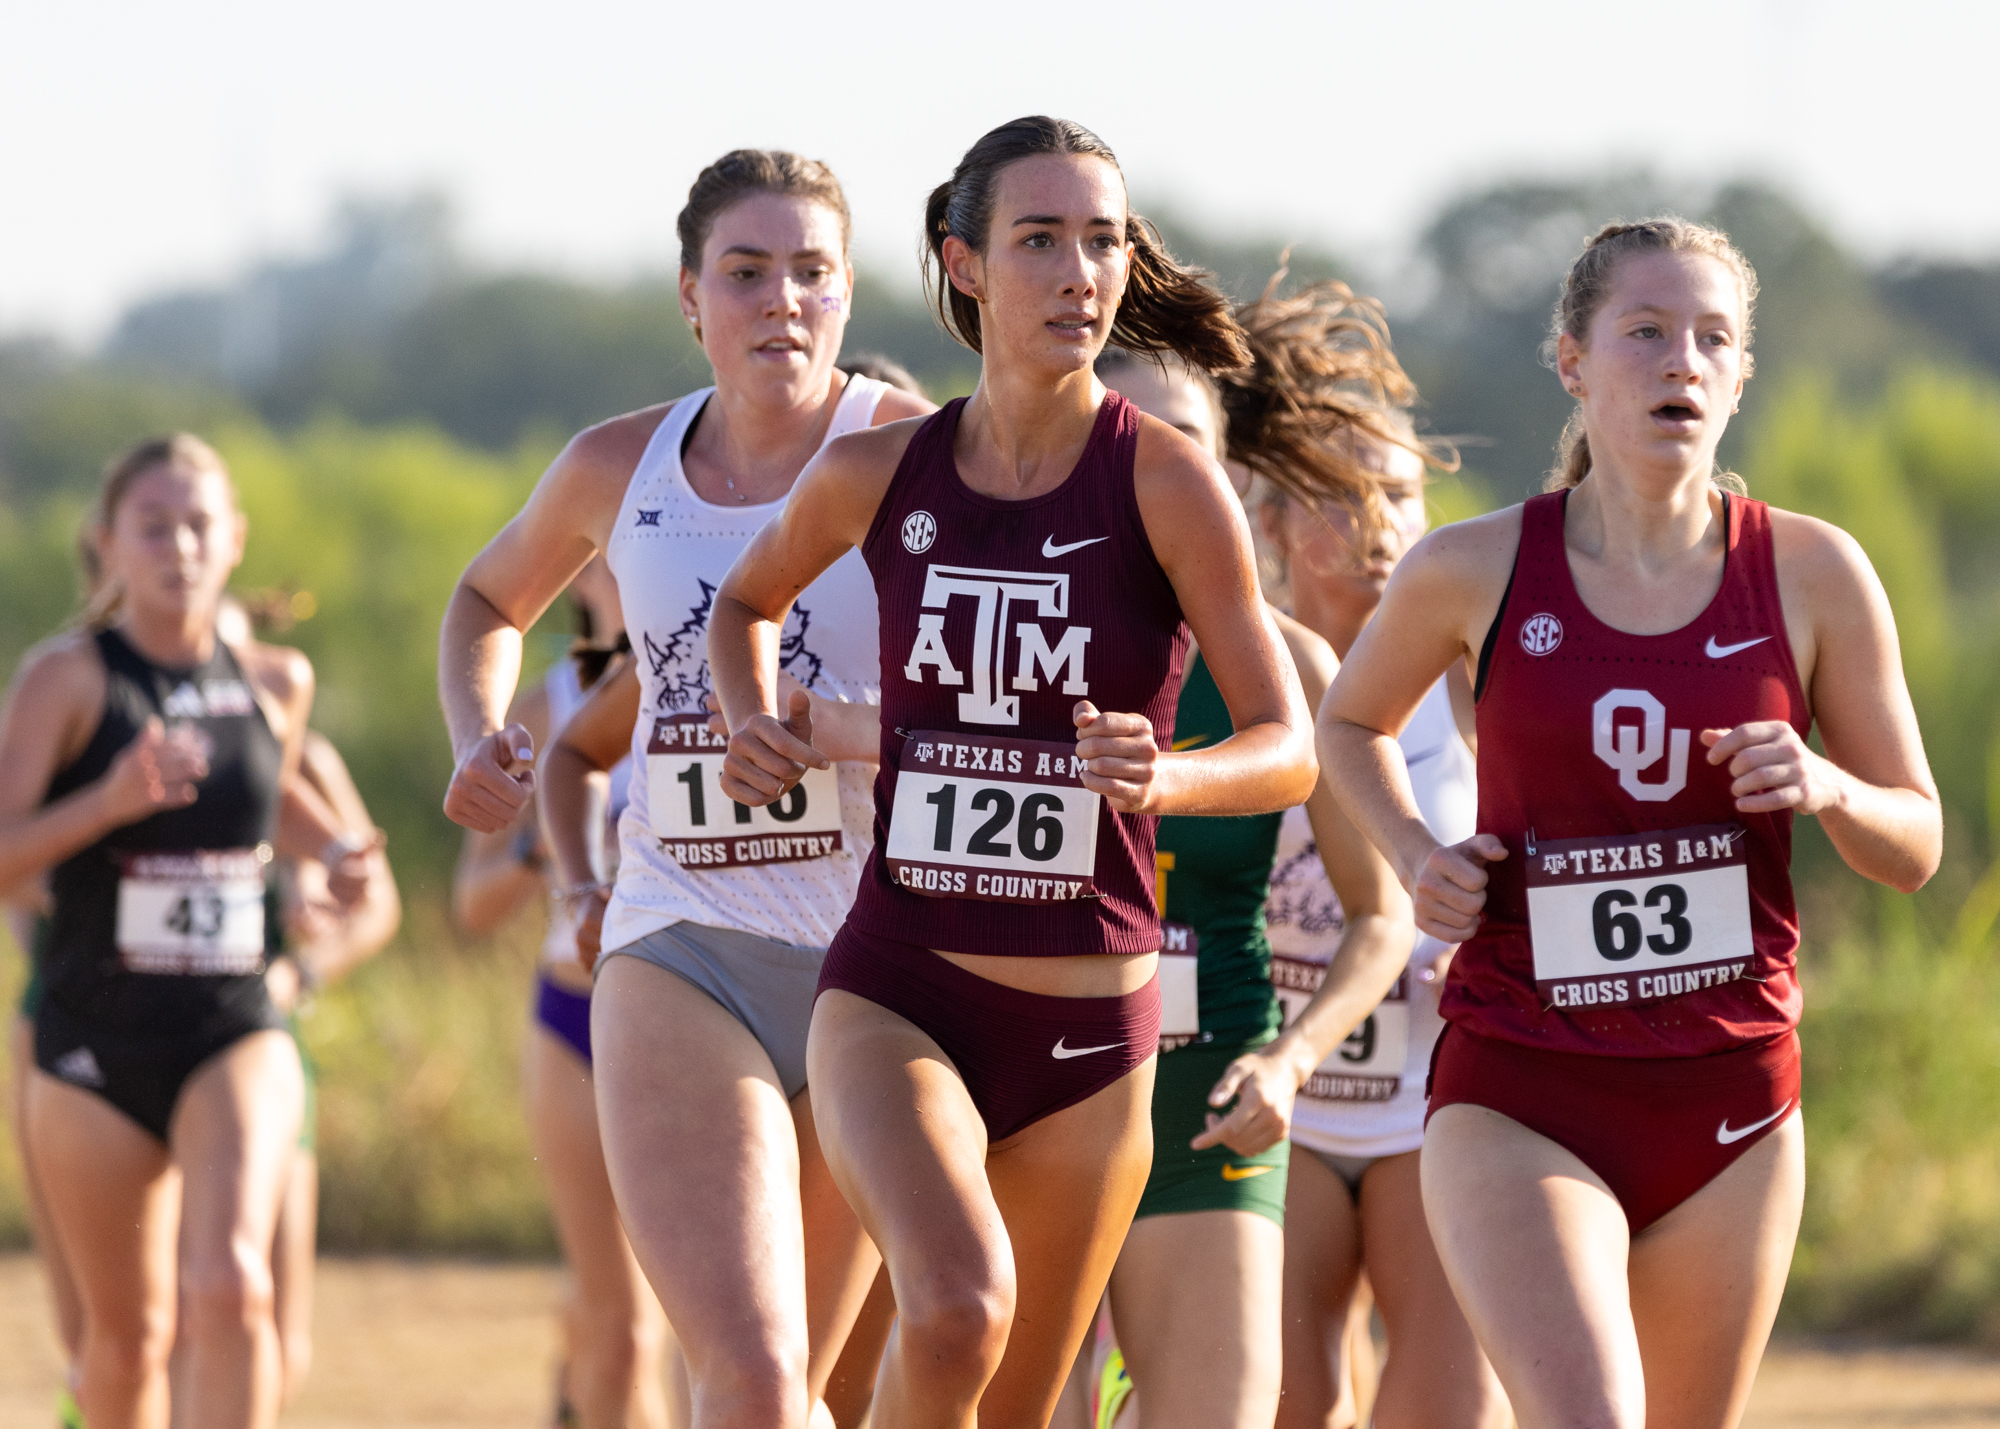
957 1325
227 1292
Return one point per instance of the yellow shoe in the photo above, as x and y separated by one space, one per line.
1114 1387
68 1416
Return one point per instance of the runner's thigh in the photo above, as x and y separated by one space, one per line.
1196 1298
904 1144
1067 1186
1706 1279
1443 1378
235 1133
113 1199
1535 1245
698 1141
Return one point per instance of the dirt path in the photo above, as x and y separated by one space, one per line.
453 1344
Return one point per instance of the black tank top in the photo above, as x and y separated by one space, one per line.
159 928
996 617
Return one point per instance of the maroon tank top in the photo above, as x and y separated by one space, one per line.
996 618
1637 913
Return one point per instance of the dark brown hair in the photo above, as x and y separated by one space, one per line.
1166 307
742 172
1588 284
1322 378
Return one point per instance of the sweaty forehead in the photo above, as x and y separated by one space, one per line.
1077 187
1675 282
778 224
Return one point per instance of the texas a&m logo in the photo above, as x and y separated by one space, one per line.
1001 595
1630 745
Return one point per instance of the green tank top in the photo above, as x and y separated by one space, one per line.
1213 875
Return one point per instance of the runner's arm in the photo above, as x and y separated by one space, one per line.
355 933
1202 541
1436 609
504 592
591 743
830 509
493 881
1872 791
1374 948
56 701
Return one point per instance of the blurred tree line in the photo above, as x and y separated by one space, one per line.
386 403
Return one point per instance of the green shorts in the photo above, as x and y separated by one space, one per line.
1216 1179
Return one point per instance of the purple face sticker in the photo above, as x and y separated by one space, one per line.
829 305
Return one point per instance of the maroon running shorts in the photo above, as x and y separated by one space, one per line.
1022 1055
1655 1129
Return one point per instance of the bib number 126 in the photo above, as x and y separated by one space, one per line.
1006 820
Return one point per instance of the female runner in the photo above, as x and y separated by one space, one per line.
1352 1201
1197 1288
1614 1163
982 1049
141 761
718 922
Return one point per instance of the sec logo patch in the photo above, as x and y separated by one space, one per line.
919 530
1540 634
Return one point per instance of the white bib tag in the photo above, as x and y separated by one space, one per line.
1639 917
699 826
979 816
193 914
1368 1066
1180 986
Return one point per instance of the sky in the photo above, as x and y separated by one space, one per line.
144 147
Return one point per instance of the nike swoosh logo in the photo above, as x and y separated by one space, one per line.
1063 1054
1243 1173
1716 652
1724 1135
1050 550
1190 742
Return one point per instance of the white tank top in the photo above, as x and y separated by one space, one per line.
670 551
564 689
1367 1099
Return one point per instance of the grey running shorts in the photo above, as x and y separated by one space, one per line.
766 986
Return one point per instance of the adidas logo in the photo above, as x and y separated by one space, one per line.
80 1066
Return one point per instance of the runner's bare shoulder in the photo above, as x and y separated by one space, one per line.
597 464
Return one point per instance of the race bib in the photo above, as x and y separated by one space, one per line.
1639 917
699 826
193 914
1368 1066
980 816
1180 986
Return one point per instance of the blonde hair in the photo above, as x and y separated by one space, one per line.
1588 284
103 595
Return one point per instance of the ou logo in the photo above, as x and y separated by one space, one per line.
919 530
1629 750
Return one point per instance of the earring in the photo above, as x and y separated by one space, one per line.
1734 408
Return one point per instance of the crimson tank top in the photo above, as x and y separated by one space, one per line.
1637 913
996 618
